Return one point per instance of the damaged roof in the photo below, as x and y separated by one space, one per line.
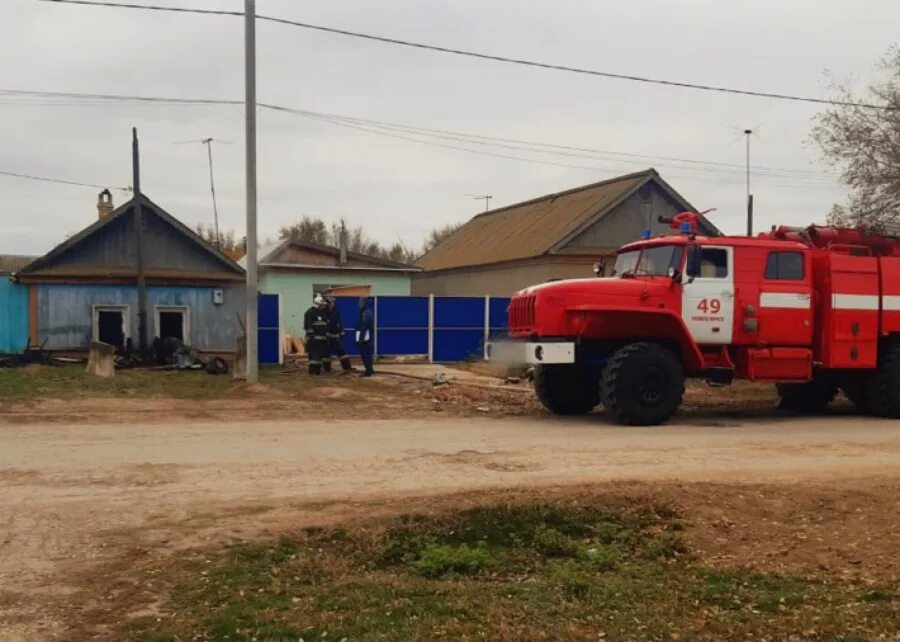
540 226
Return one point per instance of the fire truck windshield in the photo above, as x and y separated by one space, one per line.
651 261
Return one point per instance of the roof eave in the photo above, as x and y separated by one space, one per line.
338 268
330 250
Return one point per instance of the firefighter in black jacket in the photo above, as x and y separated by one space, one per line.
335 338
315 323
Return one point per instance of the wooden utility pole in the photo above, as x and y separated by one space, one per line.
250 115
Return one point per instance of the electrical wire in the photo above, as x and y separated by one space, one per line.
61 181
402 131
557 146
734 179
548 149
484 56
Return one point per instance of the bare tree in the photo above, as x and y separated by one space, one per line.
309 230
316 230
864 144
399 253
440 234
227 241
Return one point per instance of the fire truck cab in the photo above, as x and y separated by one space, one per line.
812 310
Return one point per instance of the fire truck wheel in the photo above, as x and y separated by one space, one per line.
643 384
812 396
884 390
565 389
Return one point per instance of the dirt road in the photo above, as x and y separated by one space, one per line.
75 496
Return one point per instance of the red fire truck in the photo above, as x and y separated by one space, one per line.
813 310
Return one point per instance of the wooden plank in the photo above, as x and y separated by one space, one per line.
33 314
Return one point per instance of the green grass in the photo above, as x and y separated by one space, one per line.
438 560
500 572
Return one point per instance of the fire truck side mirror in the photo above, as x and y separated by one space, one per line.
694 262
599 268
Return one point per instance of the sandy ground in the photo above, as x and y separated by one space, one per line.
79 500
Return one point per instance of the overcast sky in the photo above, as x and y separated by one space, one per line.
400 189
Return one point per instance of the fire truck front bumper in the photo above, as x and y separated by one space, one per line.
530 352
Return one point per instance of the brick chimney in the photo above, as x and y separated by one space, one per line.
104 204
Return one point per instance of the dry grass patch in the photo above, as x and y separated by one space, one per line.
545 570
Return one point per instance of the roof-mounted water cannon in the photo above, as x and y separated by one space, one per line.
687 223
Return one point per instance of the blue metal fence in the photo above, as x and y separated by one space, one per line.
401 325
441 328
348 307
459 327
268 312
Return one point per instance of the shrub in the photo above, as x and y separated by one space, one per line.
572 579
439 560
550 542
602 558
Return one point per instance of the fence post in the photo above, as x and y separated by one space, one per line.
374 326
487 325
430 328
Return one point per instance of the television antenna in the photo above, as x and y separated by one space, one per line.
212 184
483 197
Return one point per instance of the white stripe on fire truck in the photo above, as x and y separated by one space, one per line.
792 300
802 301
855 301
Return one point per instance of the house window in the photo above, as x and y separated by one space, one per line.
785 266
111 324
173 322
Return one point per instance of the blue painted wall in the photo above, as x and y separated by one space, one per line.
65 313
13 316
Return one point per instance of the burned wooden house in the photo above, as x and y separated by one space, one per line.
136 270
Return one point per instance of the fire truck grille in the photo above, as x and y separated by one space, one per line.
521 314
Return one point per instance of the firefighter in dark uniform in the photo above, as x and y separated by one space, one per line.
365 336
315 323
335 338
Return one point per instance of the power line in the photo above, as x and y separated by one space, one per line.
578 152
484 56
562 147
590 168
46 179
729 179
403 132
101 98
